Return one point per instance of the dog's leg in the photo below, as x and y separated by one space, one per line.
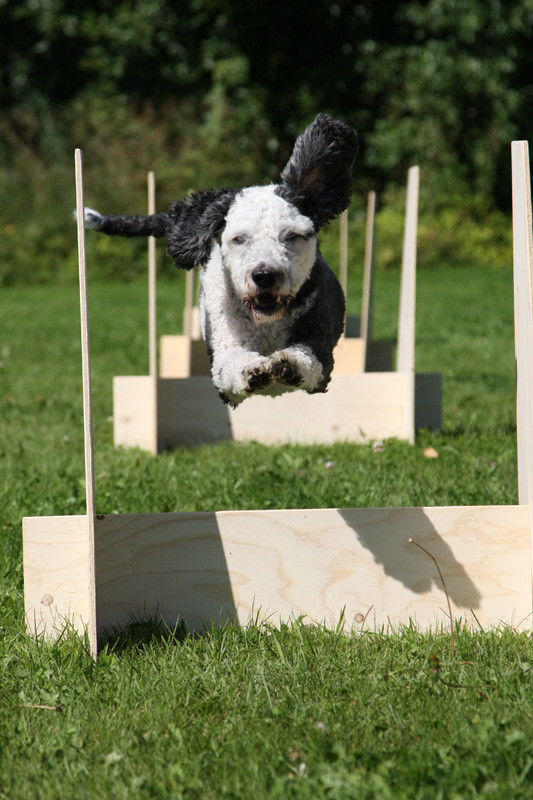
238 375
297 366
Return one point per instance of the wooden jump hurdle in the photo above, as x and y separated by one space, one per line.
94 571
154 413
357 350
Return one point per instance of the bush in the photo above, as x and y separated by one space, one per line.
188 149
465 232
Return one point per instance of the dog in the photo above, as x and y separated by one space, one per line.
271 310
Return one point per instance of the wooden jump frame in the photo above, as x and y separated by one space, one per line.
154 412
357 350
94 572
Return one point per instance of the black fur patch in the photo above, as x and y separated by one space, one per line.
317 178
193 223
134 224
321 326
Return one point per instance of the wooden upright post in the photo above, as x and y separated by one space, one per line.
406 324
523 299
152 313
87 405
368 287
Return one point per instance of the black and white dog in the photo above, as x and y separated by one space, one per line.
271 310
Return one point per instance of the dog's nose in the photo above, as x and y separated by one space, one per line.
266 277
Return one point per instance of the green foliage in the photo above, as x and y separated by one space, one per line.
37 199
206 93
37 194
467 232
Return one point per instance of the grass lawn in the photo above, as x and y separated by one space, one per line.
256 713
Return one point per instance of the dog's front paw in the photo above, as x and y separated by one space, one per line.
285 371
257 378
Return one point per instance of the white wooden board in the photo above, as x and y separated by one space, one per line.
277 565
181 356
356 408
58 577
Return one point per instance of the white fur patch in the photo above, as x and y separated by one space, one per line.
308 365
263 229
93 219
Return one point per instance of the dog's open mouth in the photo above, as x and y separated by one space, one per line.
267 306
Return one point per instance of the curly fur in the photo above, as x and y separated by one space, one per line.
271 309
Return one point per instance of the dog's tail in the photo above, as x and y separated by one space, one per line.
126 224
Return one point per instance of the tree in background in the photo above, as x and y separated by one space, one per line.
209 92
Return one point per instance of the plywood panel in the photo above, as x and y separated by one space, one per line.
356 408
278 565
181 356
135 422
57 574
174 356
349 356
189 411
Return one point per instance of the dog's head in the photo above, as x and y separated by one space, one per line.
267 235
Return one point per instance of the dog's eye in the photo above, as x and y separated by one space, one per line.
293 236
239 239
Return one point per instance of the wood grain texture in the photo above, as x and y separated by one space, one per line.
278 565
59 579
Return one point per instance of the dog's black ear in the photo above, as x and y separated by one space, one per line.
318 176
193 223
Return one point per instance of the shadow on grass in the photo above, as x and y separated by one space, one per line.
143 633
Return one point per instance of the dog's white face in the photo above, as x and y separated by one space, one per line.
268 249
